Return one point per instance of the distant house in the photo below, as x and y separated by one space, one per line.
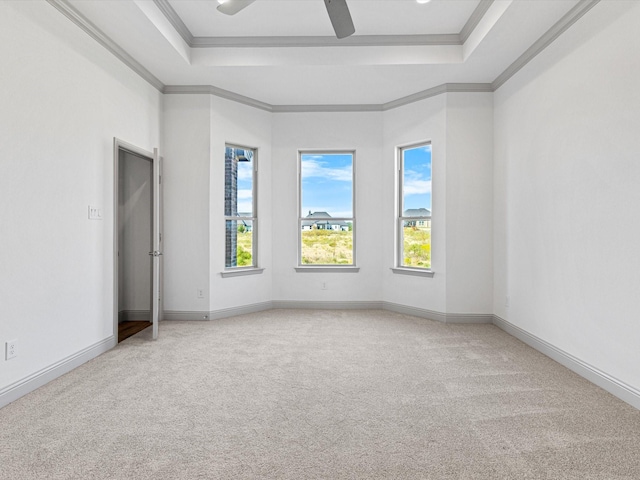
418 222
323 221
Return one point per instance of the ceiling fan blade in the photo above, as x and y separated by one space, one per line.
340 17
231 7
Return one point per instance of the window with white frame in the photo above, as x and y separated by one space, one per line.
240 207
414 207
326 218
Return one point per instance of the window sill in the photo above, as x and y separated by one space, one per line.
328 269
418 272
241 272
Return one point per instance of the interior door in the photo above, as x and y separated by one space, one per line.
156 301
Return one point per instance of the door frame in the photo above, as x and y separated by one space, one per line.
119 145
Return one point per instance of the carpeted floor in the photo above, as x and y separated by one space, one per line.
291 394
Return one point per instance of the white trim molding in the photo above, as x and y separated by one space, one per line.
596 376
413 271
314 41
582 7
327 269
326 305
216 92
241 272
184 315
20 388
415 311
571 17
240 310
94 32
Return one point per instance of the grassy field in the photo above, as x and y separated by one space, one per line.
245 257
327 247
417 247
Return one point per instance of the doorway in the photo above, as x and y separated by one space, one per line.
136 250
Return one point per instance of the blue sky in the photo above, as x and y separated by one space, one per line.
417 177
327 184
245 187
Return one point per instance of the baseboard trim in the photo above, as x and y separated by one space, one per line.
478 318
390 306
415 311
611 384
28 384
242 310
182 315
326 305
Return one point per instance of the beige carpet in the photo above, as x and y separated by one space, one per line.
290 394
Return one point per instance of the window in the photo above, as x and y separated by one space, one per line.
326 222
240 213
414 206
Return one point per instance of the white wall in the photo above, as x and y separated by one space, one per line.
239 124
469 220
567 181
460 127
63 100
361 132
196 130
416 122
186 156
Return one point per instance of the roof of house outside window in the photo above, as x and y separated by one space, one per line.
417 212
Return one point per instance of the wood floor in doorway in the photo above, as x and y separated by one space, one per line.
129 328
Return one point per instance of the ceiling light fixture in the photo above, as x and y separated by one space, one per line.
419 1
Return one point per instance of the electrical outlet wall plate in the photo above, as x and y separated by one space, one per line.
11 349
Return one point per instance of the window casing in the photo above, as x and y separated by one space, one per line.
326 213
240 207
413 224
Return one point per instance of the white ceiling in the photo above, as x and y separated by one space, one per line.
309 17
283 52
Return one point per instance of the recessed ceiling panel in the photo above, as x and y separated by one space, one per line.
309 17
323 75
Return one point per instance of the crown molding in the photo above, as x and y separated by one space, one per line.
175 20
439 90
474 20
316 41
431 92
571 17
216 92
94 32
326 108
310 41
543 42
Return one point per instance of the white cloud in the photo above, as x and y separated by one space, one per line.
244 194
244 207
312 167
245 171
415 186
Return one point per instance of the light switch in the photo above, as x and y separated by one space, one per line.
95 213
